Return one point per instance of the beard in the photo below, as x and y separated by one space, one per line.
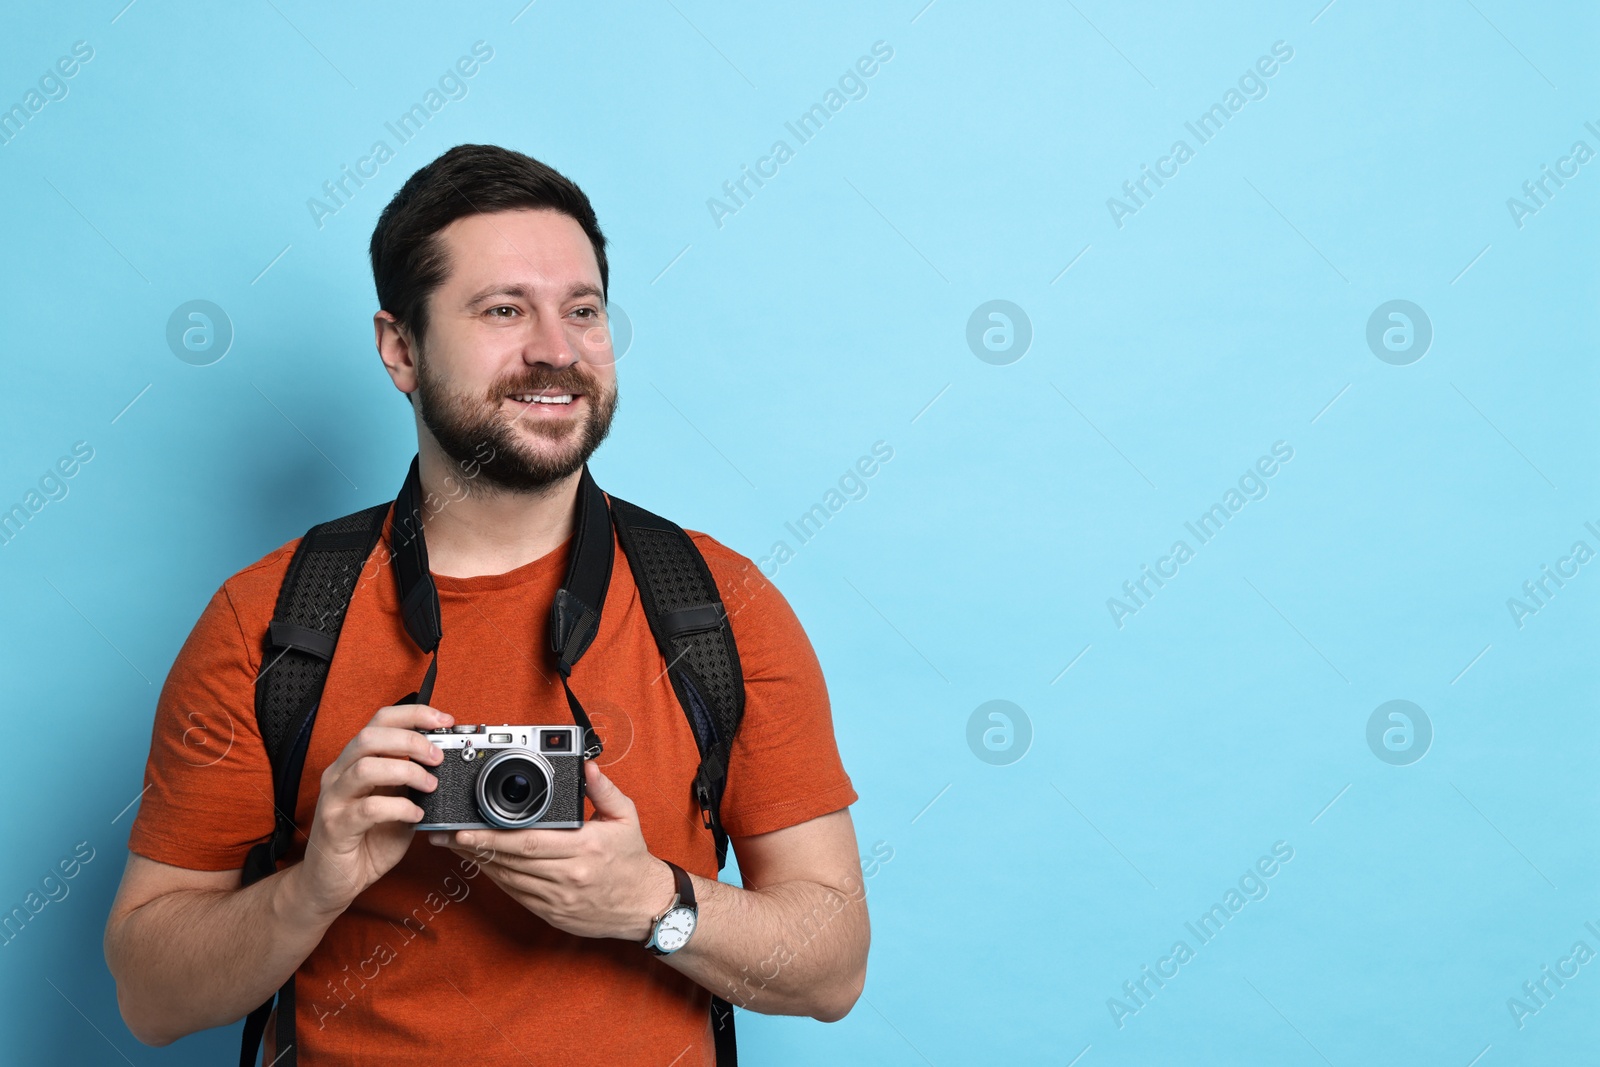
464 424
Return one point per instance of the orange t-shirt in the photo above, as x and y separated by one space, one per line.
434 958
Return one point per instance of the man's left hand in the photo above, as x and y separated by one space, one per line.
596 881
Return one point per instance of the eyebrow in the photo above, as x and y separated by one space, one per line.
523 292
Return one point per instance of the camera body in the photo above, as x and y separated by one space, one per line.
505 778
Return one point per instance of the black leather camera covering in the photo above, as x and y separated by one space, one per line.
455 801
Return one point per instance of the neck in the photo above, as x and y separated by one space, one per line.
490 531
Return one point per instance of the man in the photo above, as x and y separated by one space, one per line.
492 278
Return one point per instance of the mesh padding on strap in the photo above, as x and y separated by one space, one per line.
677 576
703 665
316 593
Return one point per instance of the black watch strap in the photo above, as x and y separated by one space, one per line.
685 886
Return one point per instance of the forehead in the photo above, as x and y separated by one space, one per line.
526 245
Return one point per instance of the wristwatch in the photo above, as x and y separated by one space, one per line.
673 927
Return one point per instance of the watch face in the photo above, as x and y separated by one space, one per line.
672 933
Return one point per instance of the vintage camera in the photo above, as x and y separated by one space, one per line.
505 778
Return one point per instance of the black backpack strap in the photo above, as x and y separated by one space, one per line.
727 1048
691 628
311 606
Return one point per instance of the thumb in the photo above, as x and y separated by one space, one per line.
609 801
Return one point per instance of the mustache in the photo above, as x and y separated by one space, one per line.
536 379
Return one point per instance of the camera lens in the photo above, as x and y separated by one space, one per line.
513 789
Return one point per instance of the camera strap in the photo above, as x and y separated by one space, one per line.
574 615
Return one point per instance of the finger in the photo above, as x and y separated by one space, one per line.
363 814
471 859
370 773
547 873
516 845
609 801
508 878
411 716
388 741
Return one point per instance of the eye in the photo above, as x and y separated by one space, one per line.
589 311
502 307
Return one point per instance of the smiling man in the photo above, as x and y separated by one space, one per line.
598 945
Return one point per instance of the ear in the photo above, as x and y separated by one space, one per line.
396 351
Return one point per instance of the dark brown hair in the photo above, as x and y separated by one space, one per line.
408 260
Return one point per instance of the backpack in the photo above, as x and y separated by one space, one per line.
680 602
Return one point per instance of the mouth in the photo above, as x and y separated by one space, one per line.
544 404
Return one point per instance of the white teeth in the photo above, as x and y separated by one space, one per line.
564 398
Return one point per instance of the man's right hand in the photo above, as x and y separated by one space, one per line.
364 822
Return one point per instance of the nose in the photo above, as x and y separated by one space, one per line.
549 344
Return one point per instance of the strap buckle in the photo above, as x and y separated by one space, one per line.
702 794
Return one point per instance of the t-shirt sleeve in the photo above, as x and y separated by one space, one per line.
208 782
785 767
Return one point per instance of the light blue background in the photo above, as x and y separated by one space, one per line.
1229 313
